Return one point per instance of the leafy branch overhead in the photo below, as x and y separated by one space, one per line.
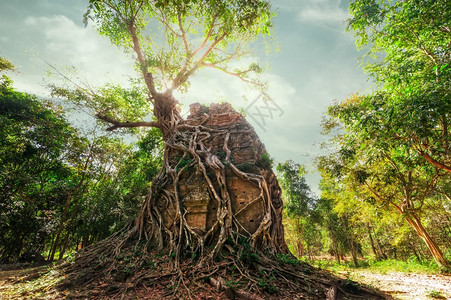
5 64
171 41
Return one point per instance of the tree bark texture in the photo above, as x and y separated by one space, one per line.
415 222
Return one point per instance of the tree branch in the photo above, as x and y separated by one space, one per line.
435 162
163 20
148 76
117 124
382 199
207 37
184 38
427 190
183 75
236 74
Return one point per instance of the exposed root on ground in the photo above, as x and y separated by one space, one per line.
165 248
235 274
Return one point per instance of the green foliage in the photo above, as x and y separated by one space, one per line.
409 57
222 155
296 190
265 161
59 190
110 101
184 162
268 286
5 64
35 141
435 294
247 167
177 38
233 284
392 146
116 191
247 255
287 259
302 219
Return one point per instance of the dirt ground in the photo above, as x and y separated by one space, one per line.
406 286
398 285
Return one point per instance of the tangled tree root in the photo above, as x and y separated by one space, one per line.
165 250
237 273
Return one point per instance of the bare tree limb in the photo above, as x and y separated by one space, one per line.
236 74
183 75
435 162
148 76
184 38
116 124
207 37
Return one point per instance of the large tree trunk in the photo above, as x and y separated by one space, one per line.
415 222
350 239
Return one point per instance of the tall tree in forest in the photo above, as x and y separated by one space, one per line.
299 203
171 41
396 141
338 214
380 169
35 138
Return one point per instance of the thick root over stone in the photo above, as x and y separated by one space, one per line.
213 216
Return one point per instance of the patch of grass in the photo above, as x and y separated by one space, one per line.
410 266
287 259
383 266
435 295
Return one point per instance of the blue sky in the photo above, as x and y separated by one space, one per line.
317 63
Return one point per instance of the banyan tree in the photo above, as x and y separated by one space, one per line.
215 206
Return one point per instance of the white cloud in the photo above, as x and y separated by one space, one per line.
62 43
30 21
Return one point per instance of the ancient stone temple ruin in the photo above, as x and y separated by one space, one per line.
248 154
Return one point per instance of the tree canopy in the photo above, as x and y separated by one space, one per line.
409 57
393 144
170 41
